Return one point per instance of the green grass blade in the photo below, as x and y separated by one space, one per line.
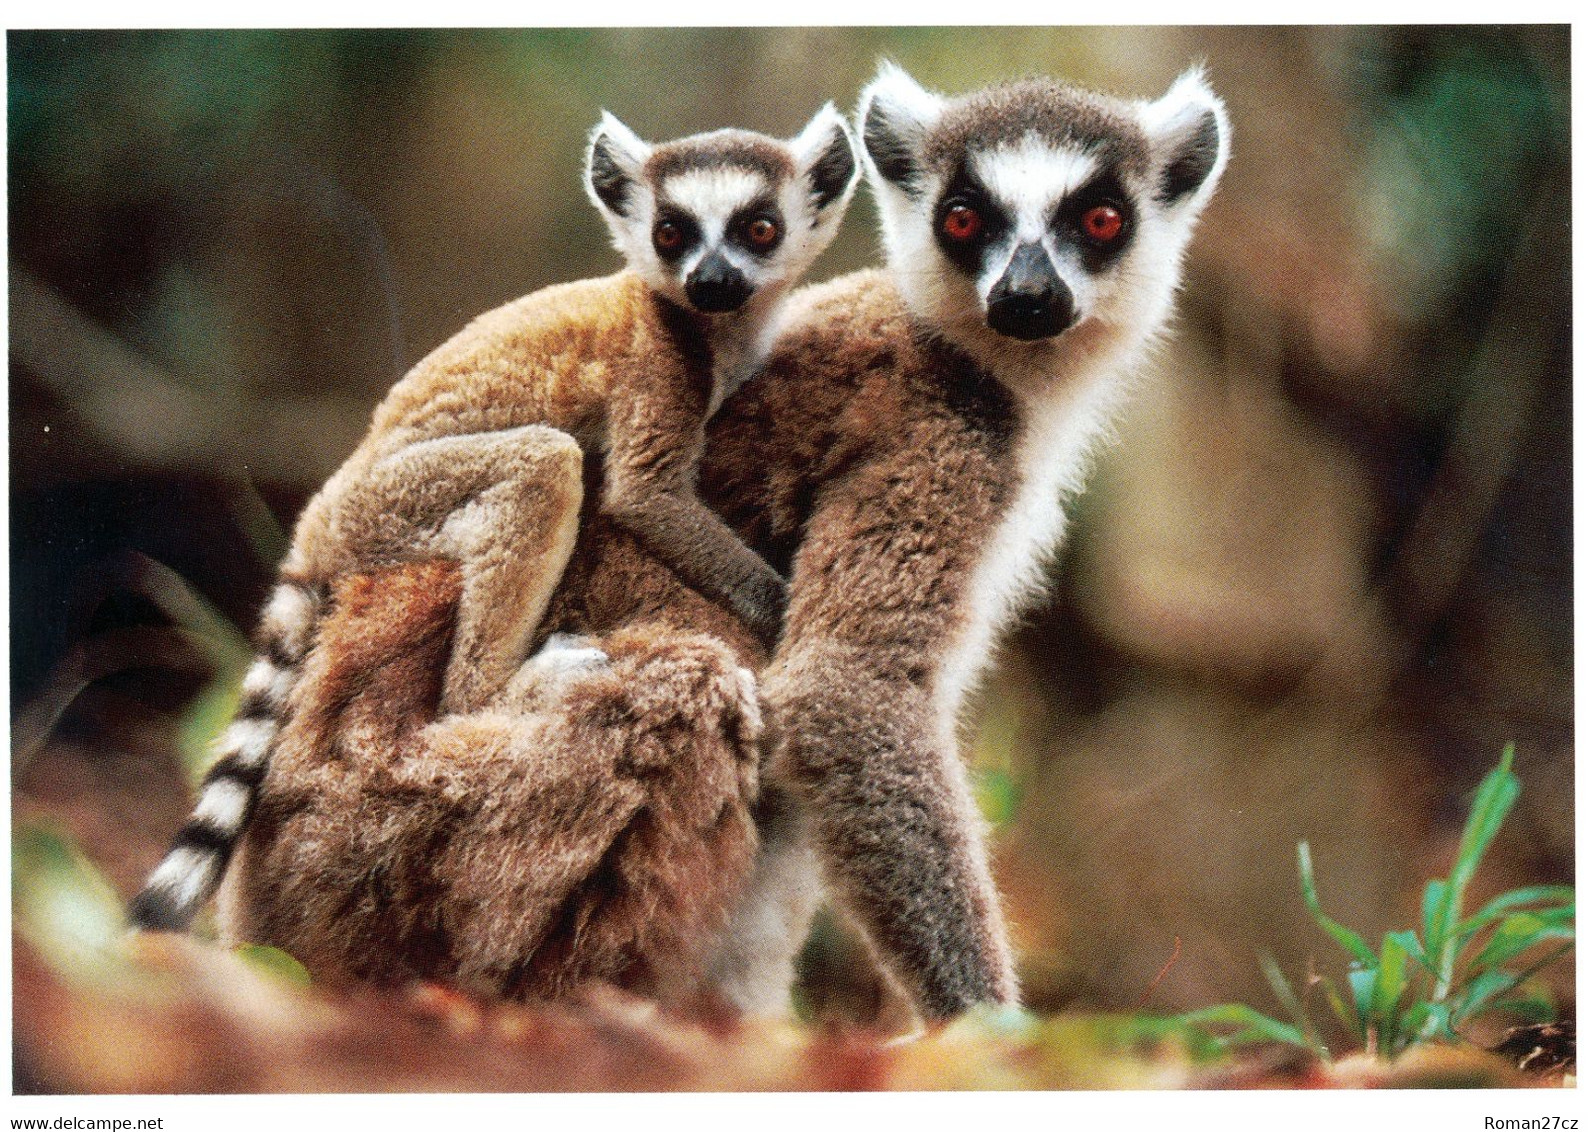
274 962
1361 983
1250 1026
1497 793
1427 1021
1286 995
1346 1016
1435 898
1473 996
1494 986
1548 894
1389 984
1518 933
1527 1008
1413 947
1341 934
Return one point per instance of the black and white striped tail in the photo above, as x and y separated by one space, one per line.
192 870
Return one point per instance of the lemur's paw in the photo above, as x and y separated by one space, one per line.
566 655
543 679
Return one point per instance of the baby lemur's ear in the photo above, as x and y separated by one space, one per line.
824 156
894 116
613 164
1189 132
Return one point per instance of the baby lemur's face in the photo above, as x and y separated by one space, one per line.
1015 214
715 220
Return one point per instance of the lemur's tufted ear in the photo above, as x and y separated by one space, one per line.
824 154
1190 136
613 164
894 116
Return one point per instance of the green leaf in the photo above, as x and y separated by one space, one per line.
1134 1031
1337 1006
1497 793
997 794
1251 1026
1389 984
211 710
1435 898
1413 947
1516 898
62 904
1528 1008
1426 1021
1361 983
1473 996
1286 995
1342 935
274 962
1518 933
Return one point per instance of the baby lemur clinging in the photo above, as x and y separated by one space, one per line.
477 455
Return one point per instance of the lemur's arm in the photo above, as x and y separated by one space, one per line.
861 729
653 454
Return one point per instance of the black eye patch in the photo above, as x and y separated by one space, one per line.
673 233
966 221
1098 220
757 227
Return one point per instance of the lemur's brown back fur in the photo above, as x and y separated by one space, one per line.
569 356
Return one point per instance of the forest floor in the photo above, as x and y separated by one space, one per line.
173 1014
97 1010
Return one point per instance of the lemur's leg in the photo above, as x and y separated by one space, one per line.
896 829
505 507
517 853
753 968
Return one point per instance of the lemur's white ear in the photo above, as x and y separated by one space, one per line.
1190 136
612 165
824 156
894 115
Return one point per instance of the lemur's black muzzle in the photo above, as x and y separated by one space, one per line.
1030 301
716 286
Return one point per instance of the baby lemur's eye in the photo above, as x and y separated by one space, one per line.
761 233
962 223
668 236
757 231
1103 223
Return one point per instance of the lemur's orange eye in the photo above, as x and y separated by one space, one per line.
961 223
667 236
762 233
1103 223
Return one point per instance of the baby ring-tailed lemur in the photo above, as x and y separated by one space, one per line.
925 425
477 454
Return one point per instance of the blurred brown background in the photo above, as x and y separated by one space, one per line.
1322 578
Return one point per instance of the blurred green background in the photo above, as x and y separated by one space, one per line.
1324 575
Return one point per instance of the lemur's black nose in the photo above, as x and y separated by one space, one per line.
1030 301
716 286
